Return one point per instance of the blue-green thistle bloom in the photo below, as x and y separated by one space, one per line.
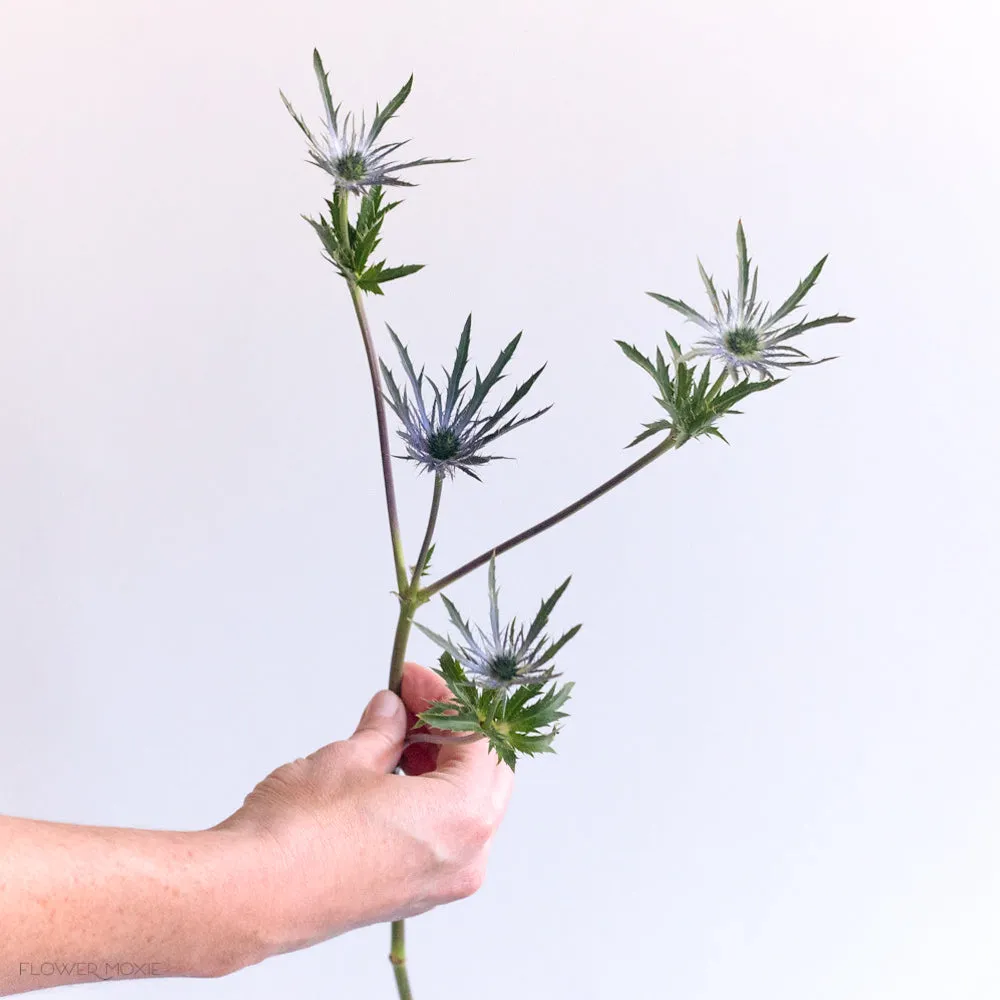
348 151
450 432
743 334
504 657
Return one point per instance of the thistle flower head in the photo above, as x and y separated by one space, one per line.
745 335
504 657
347 149
450 430
694 403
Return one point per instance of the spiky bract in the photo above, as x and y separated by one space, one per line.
449 432
744 334
504 657
347 149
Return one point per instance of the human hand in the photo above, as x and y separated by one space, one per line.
343 842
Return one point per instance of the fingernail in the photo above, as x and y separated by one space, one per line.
383 706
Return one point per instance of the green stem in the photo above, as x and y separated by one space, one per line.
407 590
406 603
407 606
408 599
397 955
425 548
403 626
536 529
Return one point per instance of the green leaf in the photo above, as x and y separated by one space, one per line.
382 117
742 267
684 309
427 560
458 368
544 611
794 331
551 651
633 354
392 273
654 428
298 120
796 297
522 722
713 295
483 385
441 640
324 88
372 278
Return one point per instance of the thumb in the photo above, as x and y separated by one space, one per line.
378 740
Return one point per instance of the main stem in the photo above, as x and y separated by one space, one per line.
383 426
407 604
397 955
536 529
409 600
411 596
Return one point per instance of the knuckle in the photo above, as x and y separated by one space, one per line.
460 838
469 880
333 755
481 828
381 738
473 831
282 781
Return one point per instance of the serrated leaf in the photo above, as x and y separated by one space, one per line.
684 309
796 297
382 117
713 295
654 428
633 354
519 723
742 268
324 89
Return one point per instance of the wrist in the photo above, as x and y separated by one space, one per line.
239 875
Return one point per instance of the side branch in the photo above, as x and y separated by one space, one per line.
425 548
446 581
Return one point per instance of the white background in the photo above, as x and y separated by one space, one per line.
780 777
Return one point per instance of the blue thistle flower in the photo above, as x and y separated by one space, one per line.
348 152
742 333
450 433
504 657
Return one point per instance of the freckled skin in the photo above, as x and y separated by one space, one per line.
325 844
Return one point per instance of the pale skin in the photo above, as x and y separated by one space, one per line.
325 844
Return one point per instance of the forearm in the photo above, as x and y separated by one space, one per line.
322 845
78 904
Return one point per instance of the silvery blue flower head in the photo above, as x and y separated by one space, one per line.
743 333
504 657
449 432
348 151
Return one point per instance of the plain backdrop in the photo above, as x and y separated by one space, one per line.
779 780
